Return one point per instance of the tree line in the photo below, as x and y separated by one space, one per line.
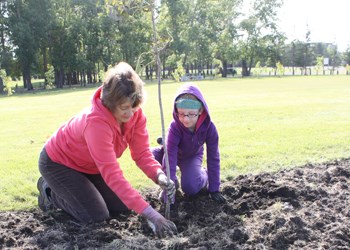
79 39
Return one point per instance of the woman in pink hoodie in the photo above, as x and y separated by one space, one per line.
78 164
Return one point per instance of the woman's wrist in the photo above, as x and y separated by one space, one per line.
150 213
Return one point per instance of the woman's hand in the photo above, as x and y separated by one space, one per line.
160 226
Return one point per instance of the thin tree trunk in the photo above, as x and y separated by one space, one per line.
27 82
44 54
159 70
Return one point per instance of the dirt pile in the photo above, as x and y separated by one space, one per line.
302 208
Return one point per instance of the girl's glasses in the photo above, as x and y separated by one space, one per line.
190 116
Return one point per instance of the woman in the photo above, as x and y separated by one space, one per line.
78 164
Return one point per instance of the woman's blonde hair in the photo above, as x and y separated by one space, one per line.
120 85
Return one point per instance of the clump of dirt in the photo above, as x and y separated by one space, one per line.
301 208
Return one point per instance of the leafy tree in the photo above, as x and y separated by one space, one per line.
5 85
259 30
319 64
347 56
5 48
64 36
29 23
108 40
42 28
280 69
132 20
225 31
334 55
347 69
307 52
21 21
50 77
172 25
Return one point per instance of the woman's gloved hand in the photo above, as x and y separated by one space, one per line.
217 196
160 226
167 186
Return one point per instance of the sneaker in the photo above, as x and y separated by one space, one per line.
44 201
160 140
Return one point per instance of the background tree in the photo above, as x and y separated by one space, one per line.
64 35
307 60
334 56
347 56
44 23
6 60
21 24
82 37
257 29
224 27
173 26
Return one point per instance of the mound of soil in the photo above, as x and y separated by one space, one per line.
301 208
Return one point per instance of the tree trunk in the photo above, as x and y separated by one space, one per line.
89 77
43 52
151 72
74 80
224 68
27 82
60 81
83 79
163 68
69 79
244 68
147 72
56 78
1 86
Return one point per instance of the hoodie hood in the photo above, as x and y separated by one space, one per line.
191 88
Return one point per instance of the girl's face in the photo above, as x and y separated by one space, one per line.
124 112
188 117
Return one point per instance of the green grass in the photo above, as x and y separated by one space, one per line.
264 125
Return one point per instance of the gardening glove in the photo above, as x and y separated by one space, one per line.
167 186
160 226
217 196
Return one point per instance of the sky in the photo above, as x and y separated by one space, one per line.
326 20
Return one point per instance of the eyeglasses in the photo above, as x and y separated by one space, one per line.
190 116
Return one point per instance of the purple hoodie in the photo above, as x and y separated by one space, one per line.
182 143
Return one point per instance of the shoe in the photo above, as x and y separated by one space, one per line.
44 201
160 140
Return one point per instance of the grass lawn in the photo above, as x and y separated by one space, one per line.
264 124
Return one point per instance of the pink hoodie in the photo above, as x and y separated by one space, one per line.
91 141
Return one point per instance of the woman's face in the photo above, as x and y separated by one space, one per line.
124 112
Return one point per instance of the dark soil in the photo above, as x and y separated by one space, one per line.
301 208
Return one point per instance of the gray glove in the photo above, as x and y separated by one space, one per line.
160 226
168 187
217 196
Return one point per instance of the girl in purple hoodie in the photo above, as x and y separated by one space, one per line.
189 130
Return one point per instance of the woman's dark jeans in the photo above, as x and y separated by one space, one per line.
84 196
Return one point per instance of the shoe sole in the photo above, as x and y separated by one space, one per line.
42 200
